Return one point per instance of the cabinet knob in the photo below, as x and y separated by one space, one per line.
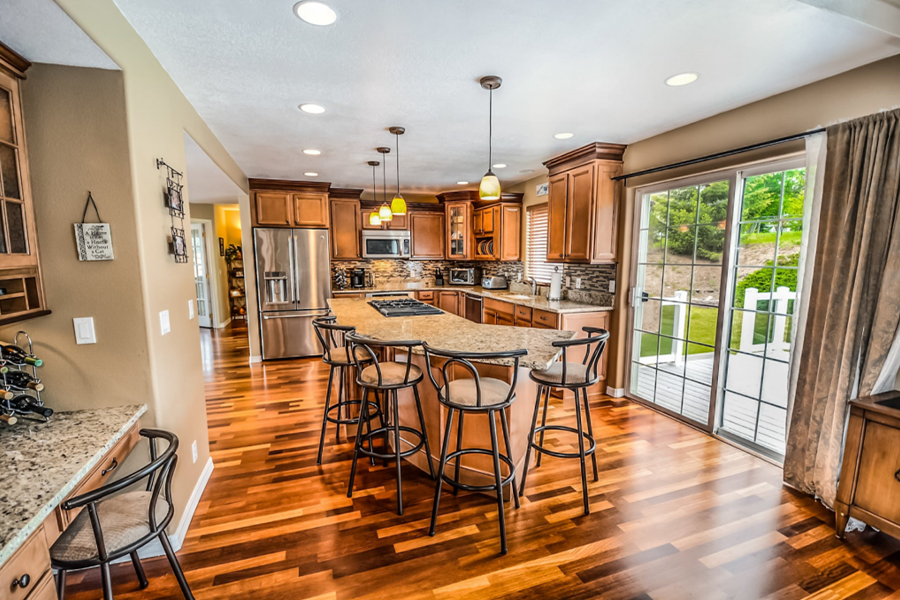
22 581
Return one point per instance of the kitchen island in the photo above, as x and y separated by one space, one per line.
450 332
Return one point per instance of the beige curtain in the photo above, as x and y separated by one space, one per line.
854 299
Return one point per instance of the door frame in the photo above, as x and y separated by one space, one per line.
207 225
730 175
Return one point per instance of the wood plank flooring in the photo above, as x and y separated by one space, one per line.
676 514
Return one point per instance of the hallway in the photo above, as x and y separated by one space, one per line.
677 514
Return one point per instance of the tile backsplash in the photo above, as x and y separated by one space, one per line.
594 278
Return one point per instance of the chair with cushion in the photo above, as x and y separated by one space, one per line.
336 354
577 377
475 395
386 377
111 527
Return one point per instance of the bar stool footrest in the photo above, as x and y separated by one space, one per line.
542 450
479 488
355 420
390 430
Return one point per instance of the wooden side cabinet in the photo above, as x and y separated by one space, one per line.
345 228
274 209
311 210
282 203
426 231
448 301
869 487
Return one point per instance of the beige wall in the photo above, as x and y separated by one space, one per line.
849 95
157 116
77 140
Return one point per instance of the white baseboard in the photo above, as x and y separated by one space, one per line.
615 392
154 548
224 323
255 359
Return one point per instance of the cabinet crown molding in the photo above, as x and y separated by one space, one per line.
592 151
344 193
472 196
288 185
15 62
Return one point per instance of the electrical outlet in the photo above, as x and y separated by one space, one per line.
190 309
612 286
578 283
164 325
194 450
568 281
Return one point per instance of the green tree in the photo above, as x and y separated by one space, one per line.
762 196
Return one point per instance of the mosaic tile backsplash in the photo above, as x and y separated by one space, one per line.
594 278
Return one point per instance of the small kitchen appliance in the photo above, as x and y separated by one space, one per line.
465 276
495 282
358 278
385 243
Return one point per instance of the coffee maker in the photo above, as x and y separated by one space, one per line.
358 278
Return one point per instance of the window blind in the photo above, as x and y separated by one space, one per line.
536 265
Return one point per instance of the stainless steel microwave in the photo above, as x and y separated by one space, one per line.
385 244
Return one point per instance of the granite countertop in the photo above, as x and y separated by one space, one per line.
45 461
450 332
539 302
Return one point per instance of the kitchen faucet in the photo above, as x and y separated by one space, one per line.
534 285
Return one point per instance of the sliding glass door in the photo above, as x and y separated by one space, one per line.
714 289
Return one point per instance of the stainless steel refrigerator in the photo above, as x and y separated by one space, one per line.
293 284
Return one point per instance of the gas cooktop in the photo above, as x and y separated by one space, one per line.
403 307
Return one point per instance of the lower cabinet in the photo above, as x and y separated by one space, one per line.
426 296
449 302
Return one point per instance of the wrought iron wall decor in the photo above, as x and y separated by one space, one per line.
174 200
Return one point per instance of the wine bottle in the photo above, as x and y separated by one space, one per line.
22 380
8 419
14 354
6 394
26 404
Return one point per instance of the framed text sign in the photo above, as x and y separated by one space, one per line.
93 240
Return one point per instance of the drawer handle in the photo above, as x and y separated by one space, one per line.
22 581
111 468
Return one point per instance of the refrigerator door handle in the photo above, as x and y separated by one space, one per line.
304 315
294 283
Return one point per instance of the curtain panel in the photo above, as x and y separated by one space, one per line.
854 297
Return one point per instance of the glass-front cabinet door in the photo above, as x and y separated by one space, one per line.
458 215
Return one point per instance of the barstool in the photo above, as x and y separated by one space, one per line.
336 356
485 395
576 377
387 378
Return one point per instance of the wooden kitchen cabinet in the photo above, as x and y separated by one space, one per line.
523 316
448 301
426 231
502 227
282 203
584 204
459 233
273 209
311 210
345 229
426 296
870 476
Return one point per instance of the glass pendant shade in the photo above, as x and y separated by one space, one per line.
490 187
384 213
374 219
398 205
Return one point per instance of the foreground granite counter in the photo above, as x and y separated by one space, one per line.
43 462
450 332
539 302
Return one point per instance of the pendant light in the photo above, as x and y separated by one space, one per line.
384 212
398 204
374 218
490 185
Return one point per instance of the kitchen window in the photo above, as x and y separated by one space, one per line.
536 265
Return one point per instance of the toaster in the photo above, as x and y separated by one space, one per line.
496 282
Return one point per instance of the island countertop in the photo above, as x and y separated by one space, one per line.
450 332
45 461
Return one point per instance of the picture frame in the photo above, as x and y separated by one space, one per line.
179 245
542 189
221 246
174 197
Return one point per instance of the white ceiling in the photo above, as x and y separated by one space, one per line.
40 31
591 67
206 182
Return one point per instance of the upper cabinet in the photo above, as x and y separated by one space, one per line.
345 224
20 270
280 203
426 231
478 230
584 204
459 230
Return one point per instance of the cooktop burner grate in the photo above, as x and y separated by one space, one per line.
403 307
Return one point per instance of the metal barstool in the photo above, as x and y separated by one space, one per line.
485 395
576 377
387 378
336 356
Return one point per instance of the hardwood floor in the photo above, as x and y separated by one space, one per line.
676 514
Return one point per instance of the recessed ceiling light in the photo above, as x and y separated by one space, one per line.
462 183
500 166
563 136
315 13
311 174
527 171
312 152
313 109
681 79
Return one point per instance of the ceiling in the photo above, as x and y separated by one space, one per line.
40 31
594 68
206 182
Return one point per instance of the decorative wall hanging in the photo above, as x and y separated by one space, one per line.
221 246
542 189
175 203
93 240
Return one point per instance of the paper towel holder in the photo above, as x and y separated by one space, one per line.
555 293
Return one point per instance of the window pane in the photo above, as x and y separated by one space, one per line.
683 206
702 326
9 172
677 282
713 204
775 383
6 122
745 373
757 243
643 380
17 239
706 285
739 415
674 321
696 401
669 390
762 197
680 242
771 429
652 278
749 331
753 287
794 190
710 243
646 316
700 360
789 241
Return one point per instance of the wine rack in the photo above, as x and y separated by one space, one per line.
20 386
237 293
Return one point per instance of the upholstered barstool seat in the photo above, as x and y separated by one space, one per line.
392 373
576 373
124 519
465 391
340 357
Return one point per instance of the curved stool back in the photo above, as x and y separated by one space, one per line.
463 359
361 349
586 373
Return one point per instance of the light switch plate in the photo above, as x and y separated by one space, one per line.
164 326
578 283
194 450
84 330
612 286
190 309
